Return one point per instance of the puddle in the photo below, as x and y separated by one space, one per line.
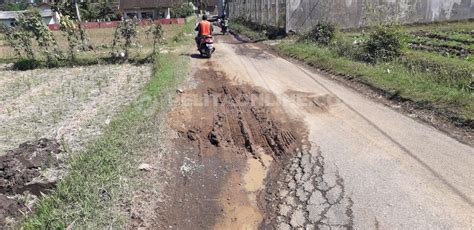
239 201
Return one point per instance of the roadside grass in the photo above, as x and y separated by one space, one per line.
465 25
101 178
453 72
423 87
241 29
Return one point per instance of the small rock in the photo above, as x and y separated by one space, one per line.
145 167
213 138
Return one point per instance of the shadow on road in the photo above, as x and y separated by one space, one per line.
197 56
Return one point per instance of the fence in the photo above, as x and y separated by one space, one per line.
113 24
300 15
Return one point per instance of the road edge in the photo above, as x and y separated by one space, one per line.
444 121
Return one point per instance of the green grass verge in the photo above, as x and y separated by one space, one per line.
103 177
243 30
420 86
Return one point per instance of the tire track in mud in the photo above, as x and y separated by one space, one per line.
234 150
301 193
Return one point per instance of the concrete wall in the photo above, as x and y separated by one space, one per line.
300 15
270 12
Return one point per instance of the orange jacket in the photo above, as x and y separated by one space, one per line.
204 28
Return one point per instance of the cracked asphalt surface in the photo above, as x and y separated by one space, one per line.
364 166
310 196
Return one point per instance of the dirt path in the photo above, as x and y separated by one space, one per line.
258 142
225 140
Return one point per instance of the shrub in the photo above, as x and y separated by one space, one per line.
256 31
348 49
156 31
322 33
383 44
26 64
124 37
28 27
182 11
72 34
20 41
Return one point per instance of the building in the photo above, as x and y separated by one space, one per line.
148 9
7 18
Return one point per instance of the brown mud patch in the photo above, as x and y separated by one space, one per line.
227 138
27 171
312 102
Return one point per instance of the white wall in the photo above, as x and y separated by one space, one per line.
301 15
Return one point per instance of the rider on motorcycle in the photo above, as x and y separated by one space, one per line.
204 29
224 22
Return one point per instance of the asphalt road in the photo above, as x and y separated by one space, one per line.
381 168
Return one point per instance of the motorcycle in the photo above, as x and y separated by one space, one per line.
224 26
206 47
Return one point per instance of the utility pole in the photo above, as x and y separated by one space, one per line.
277 12
220 7
78 13
82 33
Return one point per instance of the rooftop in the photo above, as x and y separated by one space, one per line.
15 14
144 4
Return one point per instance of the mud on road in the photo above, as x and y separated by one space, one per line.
234 152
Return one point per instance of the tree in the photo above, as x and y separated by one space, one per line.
30 26
71 9
22 5
183 10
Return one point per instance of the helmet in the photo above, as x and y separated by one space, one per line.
204 17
